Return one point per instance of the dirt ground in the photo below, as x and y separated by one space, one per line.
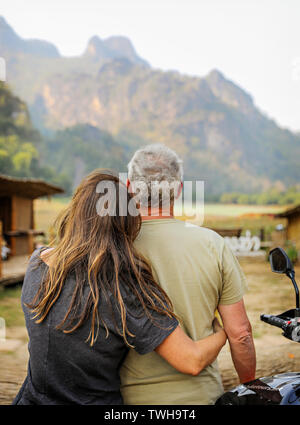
268 293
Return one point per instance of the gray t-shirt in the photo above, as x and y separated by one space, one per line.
63 368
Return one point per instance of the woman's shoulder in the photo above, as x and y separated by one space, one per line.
35 263
36 254
33 275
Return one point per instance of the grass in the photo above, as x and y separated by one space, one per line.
235 210
254 224
268 293
247 217
46 211
10 307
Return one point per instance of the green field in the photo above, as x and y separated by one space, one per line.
45 212
235 210
10 306
245 217
252 217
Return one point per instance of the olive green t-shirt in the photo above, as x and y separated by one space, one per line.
198 271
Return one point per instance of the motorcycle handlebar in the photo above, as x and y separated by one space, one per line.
273 320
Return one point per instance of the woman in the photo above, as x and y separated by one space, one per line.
91 297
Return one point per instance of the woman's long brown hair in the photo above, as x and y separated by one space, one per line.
99 249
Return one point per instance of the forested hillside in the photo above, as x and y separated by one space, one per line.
111 101
19 141
63 158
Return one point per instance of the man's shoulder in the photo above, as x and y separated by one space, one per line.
202 232
180 233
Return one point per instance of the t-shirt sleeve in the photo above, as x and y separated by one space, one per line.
234 283
148 333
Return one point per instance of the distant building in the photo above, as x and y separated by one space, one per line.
17 214
293 225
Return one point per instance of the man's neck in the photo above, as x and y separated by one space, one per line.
156 213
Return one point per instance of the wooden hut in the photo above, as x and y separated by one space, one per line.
17 214
293 224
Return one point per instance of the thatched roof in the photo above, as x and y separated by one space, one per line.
26 188
290 212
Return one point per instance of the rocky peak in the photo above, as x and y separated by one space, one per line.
228 92
11 43
115 47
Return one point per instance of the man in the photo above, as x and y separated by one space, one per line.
199 273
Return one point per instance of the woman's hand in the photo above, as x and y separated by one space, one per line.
188 356
219 330
217 327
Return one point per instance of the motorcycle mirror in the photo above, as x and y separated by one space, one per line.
280 262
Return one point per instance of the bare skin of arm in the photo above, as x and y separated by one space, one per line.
239 333
188 356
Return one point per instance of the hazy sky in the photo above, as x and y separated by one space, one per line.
255 43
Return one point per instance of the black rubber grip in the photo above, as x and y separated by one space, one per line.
273 320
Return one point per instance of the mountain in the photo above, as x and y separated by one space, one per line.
14 116
31 62
217 129
63 158
20 142
211 122
78 150
10 43
112 48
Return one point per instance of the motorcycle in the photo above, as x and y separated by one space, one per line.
284 388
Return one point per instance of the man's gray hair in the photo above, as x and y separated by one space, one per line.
157 172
